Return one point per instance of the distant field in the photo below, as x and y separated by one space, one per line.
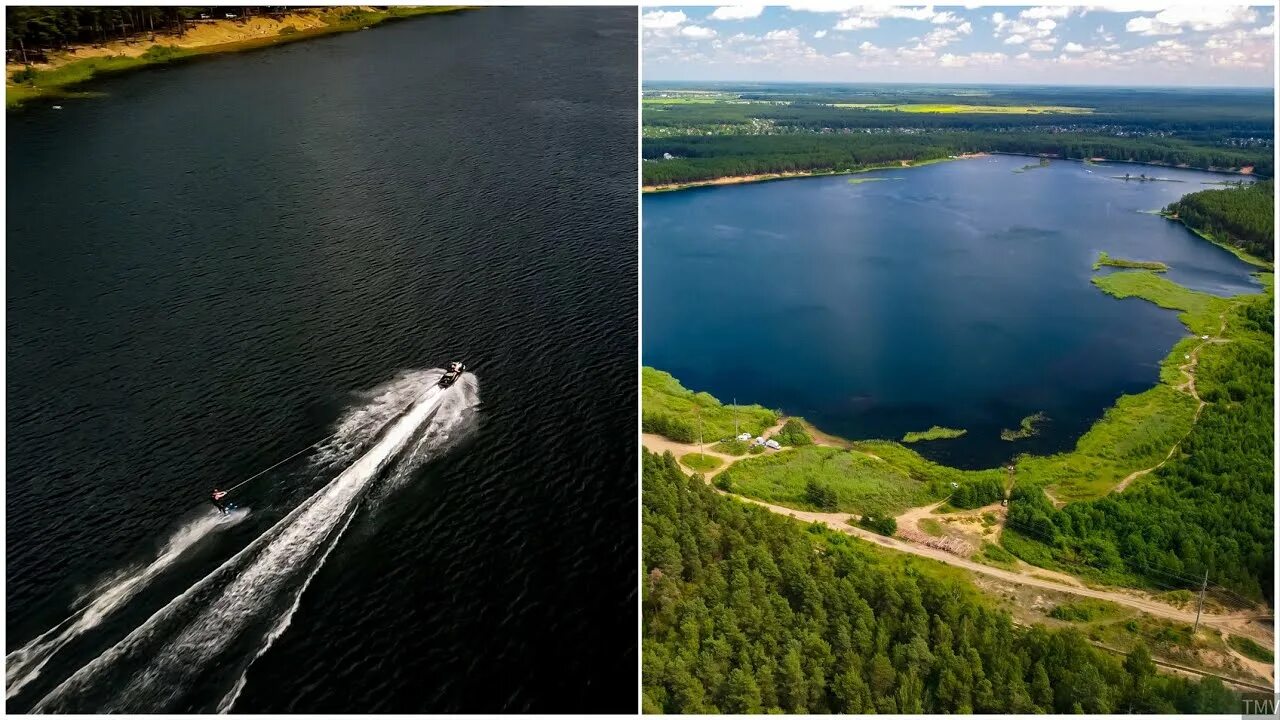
955 108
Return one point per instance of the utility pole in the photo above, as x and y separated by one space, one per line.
735 418
1200 607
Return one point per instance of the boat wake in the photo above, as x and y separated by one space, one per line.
24 664
192 655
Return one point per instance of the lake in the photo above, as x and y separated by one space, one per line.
955 294
213 264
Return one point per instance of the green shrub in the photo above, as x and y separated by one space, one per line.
731 447
793 434
25 75
288 30
821 495
886 525
163 53
977 493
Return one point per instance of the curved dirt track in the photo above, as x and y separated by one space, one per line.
1235 623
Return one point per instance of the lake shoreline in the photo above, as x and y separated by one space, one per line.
1241 254
904 164
63 78
769 177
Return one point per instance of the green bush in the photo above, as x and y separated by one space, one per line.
163 53
288 30
977 493
884 524
821 495
669 426
793 434
731 447
25 75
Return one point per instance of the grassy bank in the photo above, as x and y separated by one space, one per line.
769 177
856 482
1107 260
1200 312
671 410
1027 427
937 432
65 80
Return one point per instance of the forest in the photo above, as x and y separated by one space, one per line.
812 128
696 158
1208 509
745 611
32 29
1241 216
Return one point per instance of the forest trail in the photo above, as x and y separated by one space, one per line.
1238 623
1234 623
1189 370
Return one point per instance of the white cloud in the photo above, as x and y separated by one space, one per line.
662 19
1172 21
1041 45
1060 12
1073 48
977 58
1023 27
820 34
697 33
869 16
1267 31
964 28
1014 40
782 35
818 6
736 12
855 22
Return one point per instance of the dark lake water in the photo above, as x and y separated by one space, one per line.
956 294
213 264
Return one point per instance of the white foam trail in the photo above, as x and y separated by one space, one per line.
258 588
361 424
24 664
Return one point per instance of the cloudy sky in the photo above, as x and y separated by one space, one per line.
1134 44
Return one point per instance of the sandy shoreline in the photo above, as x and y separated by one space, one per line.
65 69
765 177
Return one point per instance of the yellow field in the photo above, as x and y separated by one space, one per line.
955 108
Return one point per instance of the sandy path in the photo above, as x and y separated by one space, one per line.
1188 369
839 521
1260 668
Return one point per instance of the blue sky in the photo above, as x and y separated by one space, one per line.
1134 44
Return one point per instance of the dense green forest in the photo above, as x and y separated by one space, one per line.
31 28
746 612
1242 216
696 158
1209 508
769 129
